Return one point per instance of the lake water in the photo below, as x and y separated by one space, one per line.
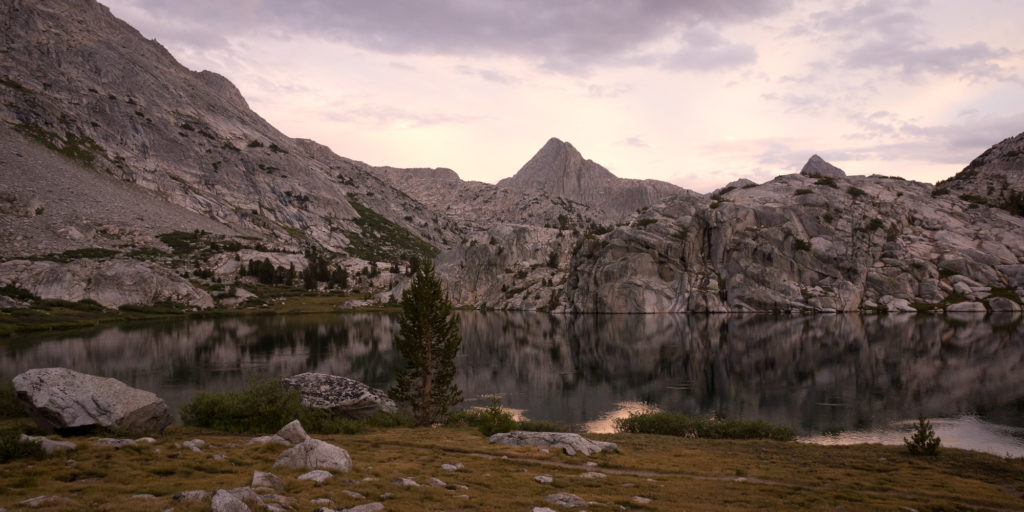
835 378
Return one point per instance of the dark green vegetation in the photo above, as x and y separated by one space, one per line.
923 440
494 420
428 341
12 447
672 424
379 239
268 406
77 147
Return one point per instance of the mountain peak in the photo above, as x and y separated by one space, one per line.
817 166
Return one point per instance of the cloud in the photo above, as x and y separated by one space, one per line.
635 142
490 75
565 36
888 35
388 116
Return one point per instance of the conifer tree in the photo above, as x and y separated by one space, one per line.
428 342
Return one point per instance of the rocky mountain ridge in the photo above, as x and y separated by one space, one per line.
159 175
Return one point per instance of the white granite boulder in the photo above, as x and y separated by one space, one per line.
571 444
315 454
66 401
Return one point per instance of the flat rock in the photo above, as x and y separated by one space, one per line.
49 445
542 509
569 443
436 482
317 475
543 479
593 474
194 495
293 432
315 454
406 482
1003 304
66 401
276 439
340 395
224 501
966 307
640 500
368 507
114 443
353 494
44 501
267 481
564 499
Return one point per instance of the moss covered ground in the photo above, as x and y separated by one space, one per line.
674 473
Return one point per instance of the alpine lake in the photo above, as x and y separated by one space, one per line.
837 379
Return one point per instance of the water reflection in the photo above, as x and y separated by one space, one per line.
820 374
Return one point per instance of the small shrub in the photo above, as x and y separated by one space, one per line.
923 440
827 181
643 223
255 144
828 218
17 293
803 191
801 245
673 424
489 421
939 191
855 192
12 447
874 225
10 407
541 426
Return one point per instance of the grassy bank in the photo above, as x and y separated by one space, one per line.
60 315
675 473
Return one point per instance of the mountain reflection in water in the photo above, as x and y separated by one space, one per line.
822 374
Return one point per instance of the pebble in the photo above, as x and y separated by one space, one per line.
543 479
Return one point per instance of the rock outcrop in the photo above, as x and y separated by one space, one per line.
66 401
801 243
571 444
816 166
339 395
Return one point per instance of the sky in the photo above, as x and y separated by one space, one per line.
694 92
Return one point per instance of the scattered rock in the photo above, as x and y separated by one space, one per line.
1003 304
544 450
66 401
287 501
194 444
542 509
436 482
353 494
49 445
315 454
224 501
641 500
318 475
261 479
45 501
322 501
543 479
247 494
569 443
220 456
143 496
564 499
196 495
368 507
406 482
449 467
340 395
593 474
293 432
147 440
114 443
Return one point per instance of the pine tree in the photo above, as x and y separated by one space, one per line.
428 341
923 441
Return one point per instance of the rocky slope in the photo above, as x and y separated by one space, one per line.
560 170
995 178
119 108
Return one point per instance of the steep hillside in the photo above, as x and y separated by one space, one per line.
995 178
560 170
84 84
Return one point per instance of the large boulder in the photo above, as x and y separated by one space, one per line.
315 454
340 395
68 402
569 443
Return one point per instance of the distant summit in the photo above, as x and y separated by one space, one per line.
817 166
560 170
